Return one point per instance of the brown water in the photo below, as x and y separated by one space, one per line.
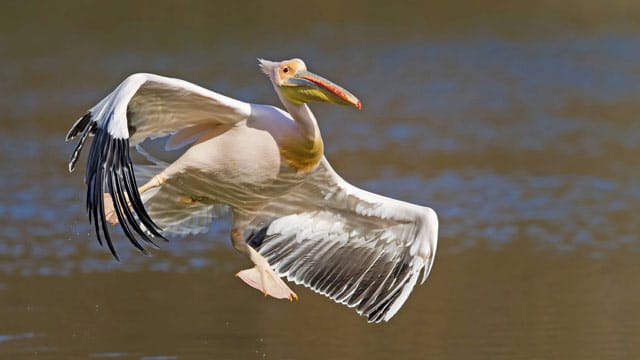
518 124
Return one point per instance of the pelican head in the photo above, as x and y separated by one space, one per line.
298 85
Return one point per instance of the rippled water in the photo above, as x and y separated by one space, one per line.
520 126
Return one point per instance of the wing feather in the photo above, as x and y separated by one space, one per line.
142 106
360 249
179 219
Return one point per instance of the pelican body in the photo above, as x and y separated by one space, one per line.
292 215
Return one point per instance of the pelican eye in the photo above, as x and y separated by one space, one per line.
285 70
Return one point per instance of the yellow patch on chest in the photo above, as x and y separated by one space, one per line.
303 157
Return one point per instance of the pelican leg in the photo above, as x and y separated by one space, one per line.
260 277
155 181
109 209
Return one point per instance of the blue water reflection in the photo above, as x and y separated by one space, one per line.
507 140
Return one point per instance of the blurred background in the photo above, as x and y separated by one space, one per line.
517 122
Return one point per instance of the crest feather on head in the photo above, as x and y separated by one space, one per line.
267 66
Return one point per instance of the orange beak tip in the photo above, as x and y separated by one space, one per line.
359 105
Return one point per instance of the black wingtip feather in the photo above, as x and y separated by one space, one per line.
109 165
86 126
78 126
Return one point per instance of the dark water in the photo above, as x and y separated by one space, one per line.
518 124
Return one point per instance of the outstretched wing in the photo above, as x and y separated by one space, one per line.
142 106
358 248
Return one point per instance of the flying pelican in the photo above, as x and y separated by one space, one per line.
293 216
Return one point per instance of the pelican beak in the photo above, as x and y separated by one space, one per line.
305 86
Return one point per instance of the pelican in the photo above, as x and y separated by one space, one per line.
292 215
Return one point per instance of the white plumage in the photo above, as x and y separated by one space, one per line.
293 216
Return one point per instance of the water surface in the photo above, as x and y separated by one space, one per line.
518 125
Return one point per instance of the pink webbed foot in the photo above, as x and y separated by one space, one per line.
109 210
266 281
